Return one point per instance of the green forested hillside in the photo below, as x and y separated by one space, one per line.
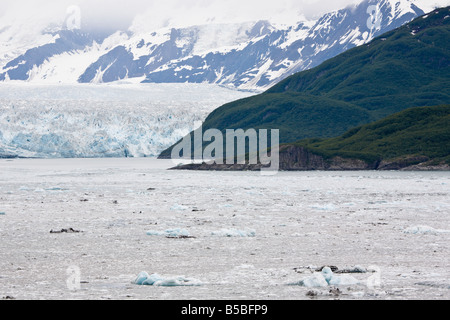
416 132
405 68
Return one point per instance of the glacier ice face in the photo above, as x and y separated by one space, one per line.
95 121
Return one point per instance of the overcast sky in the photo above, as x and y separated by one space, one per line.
119 14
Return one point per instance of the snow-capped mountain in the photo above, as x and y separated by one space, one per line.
252 55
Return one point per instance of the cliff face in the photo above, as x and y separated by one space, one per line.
295 158
298 158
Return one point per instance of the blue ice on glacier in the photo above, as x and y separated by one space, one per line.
144 279
326 278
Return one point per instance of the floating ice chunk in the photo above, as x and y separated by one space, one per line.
141 278
326 278
177 233
2 213
315 281
234 233
151 280
178 207
327 274
155 279
155 233
54 189
424 230
344 280
171 233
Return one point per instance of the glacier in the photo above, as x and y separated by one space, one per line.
98 121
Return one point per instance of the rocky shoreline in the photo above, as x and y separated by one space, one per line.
294 158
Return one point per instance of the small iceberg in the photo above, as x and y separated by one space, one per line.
144 279
229 233
2 213
326 278
177 207
424 230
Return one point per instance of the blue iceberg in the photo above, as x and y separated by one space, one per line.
144 279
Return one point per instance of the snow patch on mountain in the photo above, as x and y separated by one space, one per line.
241 54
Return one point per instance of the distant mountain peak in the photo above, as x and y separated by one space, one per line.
248 55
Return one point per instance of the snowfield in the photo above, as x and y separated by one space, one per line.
122 220
96 121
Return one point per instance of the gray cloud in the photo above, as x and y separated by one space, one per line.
119 14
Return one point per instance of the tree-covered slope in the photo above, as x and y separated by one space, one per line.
416 133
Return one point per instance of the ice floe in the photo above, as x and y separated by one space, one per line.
144 279
326 278
424 230
177 207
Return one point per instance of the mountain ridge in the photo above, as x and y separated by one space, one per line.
246 56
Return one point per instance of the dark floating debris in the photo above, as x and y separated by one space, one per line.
180 237
70 230
333 268
335 292
312 293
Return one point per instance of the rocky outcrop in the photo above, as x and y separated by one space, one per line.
296 158
402 163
